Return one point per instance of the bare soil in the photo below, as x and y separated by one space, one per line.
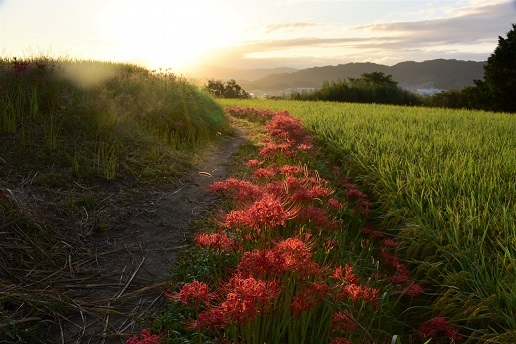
133 256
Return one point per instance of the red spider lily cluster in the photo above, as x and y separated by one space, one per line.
286 135
399 272
267 212
219 242
20 67
193 294
145 337
438 328
284 222
354 194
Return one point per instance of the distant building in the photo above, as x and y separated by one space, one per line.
426 92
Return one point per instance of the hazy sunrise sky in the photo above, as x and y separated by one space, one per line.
254 34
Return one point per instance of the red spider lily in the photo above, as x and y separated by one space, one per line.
267 212
240 190
305 147
345 274
237 309
145 337
265 173
439 327
318 217
308 189
340 340
294 251
334 204
297 257
261 264
330 244
357 292
401 276
20 67
192 294
277 188
218 241
287 136
413 290
284 126
292 183
307 298
344 321
289 255
364 206
390 243
320 192
270 149
355 194
247 297
291 170
367 230
211 319
251 288
254 163
218 187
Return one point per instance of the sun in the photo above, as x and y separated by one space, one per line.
168 34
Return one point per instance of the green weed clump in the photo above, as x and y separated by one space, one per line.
444 184
71 132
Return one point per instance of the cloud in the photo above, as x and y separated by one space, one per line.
471 25
467 33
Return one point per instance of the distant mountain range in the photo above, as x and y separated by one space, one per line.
439 74
223 73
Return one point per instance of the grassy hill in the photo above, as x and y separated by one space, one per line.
72 135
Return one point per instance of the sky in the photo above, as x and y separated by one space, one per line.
182 34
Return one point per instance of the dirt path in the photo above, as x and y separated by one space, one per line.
133 259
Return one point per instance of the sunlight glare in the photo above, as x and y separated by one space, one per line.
173 35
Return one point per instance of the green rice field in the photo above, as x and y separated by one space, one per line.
444 183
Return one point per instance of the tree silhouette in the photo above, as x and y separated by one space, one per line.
228 90
500 74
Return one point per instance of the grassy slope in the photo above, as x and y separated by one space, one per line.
74 136
445 183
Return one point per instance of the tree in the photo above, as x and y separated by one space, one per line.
228 90
500 74
215 87
378 78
